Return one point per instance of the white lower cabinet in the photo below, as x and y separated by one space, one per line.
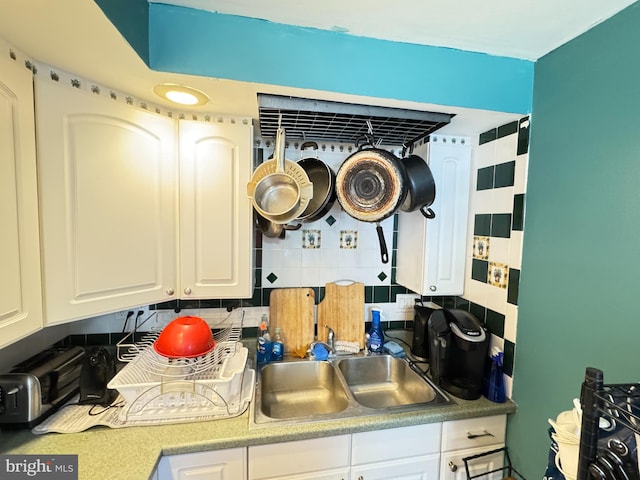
452 465
227 464
407 453
469 437
324 458
420 452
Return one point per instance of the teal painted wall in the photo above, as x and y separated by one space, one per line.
196 42
578 303
132 19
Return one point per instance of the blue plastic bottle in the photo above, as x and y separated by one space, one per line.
494 383
277 346
376 337
263 354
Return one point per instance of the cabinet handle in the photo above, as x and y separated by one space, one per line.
170 291
484 433
360 477
187 291
453 467
433 288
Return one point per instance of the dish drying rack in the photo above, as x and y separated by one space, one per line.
617 402
157 387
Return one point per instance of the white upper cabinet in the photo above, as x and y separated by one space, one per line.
431 253
20 292
108 203
216 234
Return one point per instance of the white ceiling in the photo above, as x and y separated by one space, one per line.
526 29
75 36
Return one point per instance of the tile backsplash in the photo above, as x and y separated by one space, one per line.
338 247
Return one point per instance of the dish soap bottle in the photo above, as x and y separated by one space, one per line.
277 346
376 337
263 346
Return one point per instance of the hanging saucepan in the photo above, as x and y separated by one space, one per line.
271 229
421 187
324 185
370 187
279 189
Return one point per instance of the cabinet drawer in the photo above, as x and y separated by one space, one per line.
395 443
303 456
473 432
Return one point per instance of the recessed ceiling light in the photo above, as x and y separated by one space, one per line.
181 94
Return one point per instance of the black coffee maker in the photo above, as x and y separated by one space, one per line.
420 343
458 352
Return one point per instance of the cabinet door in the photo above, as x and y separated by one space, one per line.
417 468
227 464
20 289
452 464
326 457
108 179
216 230
431 253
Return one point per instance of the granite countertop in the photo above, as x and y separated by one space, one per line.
133 452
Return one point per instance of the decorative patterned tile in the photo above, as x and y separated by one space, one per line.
348 239
310 238
498 274
481 247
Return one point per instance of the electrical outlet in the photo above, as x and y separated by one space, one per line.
405 302
137 313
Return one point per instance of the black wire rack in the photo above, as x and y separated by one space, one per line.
618 403
507 470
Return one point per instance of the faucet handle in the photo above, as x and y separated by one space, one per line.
331 336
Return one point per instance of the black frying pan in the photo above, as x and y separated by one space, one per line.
370 186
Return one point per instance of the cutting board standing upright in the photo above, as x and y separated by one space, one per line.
291 309
342 308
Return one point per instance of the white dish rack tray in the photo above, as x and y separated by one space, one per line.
157 387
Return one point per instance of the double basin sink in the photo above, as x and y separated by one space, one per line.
343 387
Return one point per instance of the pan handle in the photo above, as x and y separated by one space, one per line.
427 212
306 145
384 254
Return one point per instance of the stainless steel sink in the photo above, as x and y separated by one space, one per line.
296 391
384 381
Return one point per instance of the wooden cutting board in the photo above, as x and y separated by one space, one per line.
291 309
342 308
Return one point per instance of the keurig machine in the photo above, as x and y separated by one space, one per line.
420 342
458 352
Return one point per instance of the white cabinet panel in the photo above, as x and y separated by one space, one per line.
108 203
420 468
474 432
227 464
431 253
398 443
216 234
452 464
20 297
318 456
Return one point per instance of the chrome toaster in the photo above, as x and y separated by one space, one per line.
37 387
